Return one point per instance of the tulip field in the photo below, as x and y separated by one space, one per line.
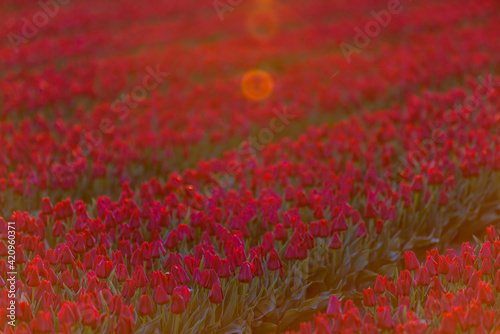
250 166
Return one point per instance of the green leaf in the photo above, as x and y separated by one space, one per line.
265 328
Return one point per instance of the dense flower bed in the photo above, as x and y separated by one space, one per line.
195 209
296 225
69 132
448 293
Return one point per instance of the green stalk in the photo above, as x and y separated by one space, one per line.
176 324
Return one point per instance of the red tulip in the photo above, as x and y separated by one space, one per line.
431 266
177 305
216 294
334 310
336 243
257 265
486 268
43 322
423 277
47 208
497 281
145 306
246 273
443 198
485 251
66 314
384 318
361 231
274 261
24 312
160 296
66 257
369 299
411 262
339 224
484 294
371 210
448 324
32 279
90 316
379 285
280 232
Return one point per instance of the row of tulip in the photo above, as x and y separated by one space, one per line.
308 218
450 293
98 145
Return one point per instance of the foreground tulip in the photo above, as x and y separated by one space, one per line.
379 285
145 306
371 210
160 296
384 318
274 261
246 273
336 243
24 312
216 294
448 324
177 304
90 316
66 315
339 224
33 279
334 310
369 299
43 322
423 277
361 232
124 326
411 261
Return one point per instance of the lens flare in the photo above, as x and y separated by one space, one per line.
257 84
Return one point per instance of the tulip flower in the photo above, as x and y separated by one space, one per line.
160 296
384 318
145 306
274 262
246 273
216 294
66 315
335 243
334 310
369 299
43 322
177 304
411 261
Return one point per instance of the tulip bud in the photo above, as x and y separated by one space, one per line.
177 305
411 261
369 299
216 294
336 243
160 296
145 307
334 310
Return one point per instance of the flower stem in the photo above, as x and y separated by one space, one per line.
176 324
